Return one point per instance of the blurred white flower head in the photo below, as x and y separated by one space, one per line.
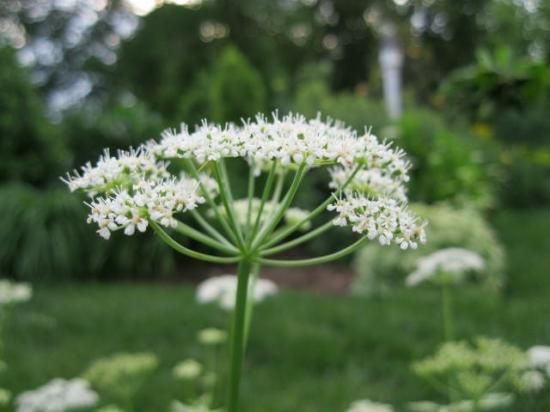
539 356
58 395
188 369
223 289
211 336
12 292
366 405
532 381
451 264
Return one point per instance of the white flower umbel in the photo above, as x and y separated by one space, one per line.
451 263
532 381
13 292
369 406
187 171
222 290
58 395
539 356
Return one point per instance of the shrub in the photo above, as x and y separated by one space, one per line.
30 148
43 235
379 268
446 166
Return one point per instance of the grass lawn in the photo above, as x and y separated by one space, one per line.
307 353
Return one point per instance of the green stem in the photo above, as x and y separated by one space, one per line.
227 198
319 209
223 221
315 261
207 240
265 195
237 335
209 228
447 313
254 273
189 252
299 240
250 194
282 208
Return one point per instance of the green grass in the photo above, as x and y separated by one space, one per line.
307 352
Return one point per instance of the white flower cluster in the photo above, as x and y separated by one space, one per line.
384 219
369 406
538 373
451 264
223 290
58 395
370 182
129 210
137 187
12 292
115 172
292 139
293 215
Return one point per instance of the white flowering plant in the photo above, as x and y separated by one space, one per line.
473 375
186 172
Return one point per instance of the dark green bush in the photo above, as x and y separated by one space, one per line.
447 166
44 236
31 149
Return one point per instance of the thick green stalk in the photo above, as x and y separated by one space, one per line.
238 334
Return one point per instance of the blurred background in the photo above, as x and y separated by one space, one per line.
462 86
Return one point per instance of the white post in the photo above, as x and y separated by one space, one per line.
391 61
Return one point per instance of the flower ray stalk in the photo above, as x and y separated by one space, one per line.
189 252
314 213
285 204
227 199
210 229
265 195
211 202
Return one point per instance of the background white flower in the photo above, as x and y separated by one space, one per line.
58 395
452 264
369 406
13 292
222 290
539 356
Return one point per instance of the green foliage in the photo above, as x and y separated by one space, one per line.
324 339
357 111
495 82
472 371
231 89
92 129
380 268
120 376
447 166
43 236
236 88
30 148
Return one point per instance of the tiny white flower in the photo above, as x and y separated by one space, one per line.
58 395
222 290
